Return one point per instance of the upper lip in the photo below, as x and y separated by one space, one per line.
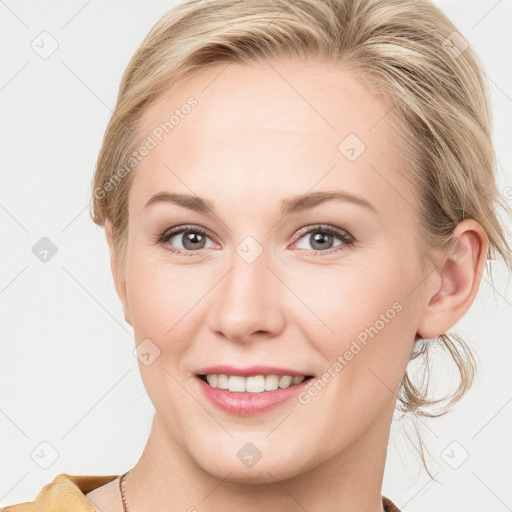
249 371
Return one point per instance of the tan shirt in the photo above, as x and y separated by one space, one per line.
67 494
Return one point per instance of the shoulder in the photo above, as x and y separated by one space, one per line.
65 493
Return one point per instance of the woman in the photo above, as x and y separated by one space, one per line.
299 198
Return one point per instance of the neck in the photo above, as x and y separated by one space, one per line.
350 481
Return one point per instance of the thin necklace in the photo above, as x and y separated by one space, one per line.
121 487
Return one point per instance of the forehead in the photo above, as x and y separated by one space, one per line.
270 131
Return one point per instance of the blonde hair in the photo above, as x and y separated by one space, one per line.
407 50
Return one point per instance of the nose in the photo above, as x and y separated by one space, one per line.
248 301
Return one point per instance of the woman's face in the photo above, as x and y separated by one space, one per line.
265 285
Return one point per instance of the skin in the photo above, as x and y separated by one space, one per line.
261 134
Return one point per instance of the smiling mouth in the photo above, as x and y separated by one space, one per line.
254 383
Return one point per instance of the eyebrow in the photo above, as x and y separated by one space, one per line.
288 206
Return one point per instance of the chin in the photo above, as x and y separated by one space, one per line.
243 464
261 474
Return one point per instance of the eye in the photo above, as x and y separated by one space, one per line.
322 238
191 238
194 238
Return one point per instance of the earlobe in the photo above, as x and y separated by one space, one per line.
118 277
461 265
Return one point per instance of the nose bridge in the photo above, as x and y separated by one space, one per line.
247 301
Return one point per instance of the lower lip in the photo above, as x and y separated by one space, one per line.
249 404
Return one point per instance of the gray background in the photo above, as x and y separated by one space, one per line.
71 399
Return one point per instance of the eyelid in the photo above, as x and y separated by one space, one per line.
342 233
182 228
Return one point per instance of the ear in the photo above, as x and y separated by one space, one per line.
118 274
461 267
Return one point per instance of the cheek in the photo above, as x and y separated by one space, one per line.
161 300
346 299
365 322
165 300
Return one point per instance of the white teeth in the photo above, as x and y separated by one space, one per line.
271 382
252 384
255 384
236 383
212 380
222 382
285 381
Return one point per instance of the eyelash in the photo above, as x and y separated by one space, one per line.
344 236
